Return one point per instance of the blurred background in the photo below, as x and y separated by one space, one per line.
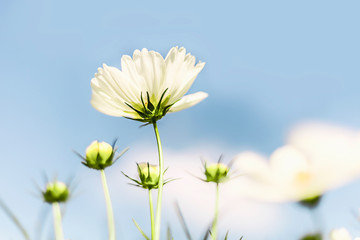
269 66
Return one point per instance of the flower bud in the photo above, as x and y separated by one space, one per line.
99 155
311 202
312 236
216 172
56 192
149 175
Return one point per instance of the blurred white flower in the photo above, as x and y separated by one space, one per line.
148 86
341 234
318 158
334 147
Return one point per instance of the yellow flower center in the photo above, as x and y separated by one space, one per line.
302 178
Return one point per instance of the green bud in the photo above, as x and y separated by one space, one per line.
56 192
99 155
149 175
315 236
311 202
216 172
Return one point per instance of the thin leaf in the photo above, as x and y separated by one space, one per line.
137 111
150 105
113 144
132 179
79 155
120 154
182 221
206 235
159 104
226 236
169 234
220 158
140 230
12 216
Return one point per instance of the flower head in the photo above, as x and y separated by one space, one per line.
287 176
317 158
149 175
100 155
56 192
216 172
147 86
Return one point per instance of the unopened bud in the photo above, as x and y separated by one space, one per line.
56 192
216 172
99 155
149 175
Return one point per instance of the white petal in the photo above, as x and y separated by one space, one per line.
188 101
188 81
109 80
181 72
336 147
127 89
150 67
107 96
252 164
340 234
107 105
287 161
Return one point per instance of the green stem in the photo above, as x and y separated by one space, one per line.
214 225
110 215
57 221
151 215
161 183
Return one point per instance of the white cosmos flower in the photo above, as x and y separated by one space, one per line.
341 234
147 86
317 158
336 148
286 176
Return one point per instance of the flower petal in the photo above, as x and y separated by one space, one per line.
150 67
106 105
181 72
188 101
340 234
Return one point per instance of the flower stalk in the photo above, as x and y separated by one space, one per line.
161 183
151 215
59 235
216 215
109 209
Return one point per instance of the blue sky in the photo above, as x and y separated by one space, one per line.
269 65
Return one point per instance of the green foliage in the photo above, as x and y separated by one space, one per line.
15 220
140 230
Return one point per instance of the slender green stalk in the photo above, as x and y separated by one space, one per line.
161 183
110 215
151 215
214 225
57 221
14 219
